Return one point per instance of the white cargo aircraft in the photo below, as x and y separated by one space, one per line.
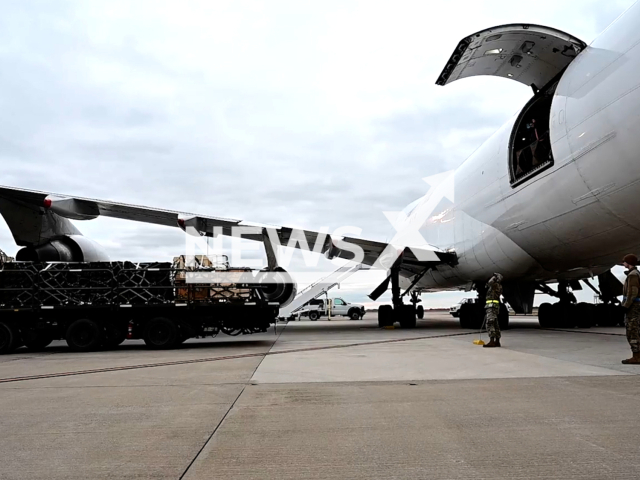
551 197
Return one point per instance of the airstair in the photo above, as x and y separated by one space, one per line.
320 287
4 258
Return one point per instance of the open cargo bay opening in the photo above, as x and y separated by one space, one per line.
530 146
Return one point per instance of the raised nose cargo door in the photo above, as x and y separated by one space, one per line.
529 54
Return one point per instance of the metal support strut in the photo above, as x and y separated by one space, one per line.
395 287
564 295
414 298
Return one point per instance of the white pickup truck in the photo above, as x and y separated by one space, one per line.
318 308
455 310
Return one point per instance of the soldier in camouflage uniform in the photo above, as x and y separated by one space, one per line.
492 310
631 302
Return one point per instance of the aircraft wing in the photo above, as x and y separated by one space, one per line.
16 200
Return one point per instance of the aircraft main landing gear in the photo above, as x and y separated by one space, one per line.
566 313
580 315
405 315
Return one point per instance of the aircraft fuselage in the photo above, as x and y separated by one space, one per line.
572 220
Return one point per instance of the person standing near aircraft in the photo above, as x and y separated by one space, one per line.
492 310
631 303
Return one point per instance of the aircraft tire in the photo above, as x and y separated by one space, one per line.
503 317
407 316
583 314
546 315
565 315
618 314
605 315
420 312
385 316
601 315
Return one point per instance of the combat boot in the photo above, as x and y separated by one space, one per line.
635 360
498 342
492 344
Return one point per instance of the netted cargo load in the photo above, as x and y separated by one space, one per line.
148 283
17 282
31 284
73 284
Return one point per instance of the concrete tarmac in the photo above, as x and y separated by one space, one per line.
339 399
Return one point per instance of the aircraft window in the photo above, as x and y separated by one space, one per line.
530 146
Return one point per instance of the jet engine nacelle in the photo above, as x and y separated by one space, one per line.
279 286
69 248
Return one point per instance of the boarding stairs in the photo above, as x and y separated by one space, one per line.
320 287
4 258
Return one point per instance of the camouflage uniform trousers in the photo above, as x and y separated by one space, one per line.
632 322
491 312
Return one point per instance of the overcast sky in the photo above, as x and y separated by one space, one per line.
293 113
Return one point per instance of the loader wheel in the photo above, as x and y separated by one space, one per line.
84 335
160 333
8 338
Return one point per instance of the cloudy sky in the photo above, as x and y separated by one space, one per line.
305 114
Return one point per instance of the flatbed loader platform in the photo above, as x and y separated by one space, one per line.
101 304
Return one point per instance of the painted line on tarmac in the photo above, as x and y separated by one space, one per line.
582 331
227 357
